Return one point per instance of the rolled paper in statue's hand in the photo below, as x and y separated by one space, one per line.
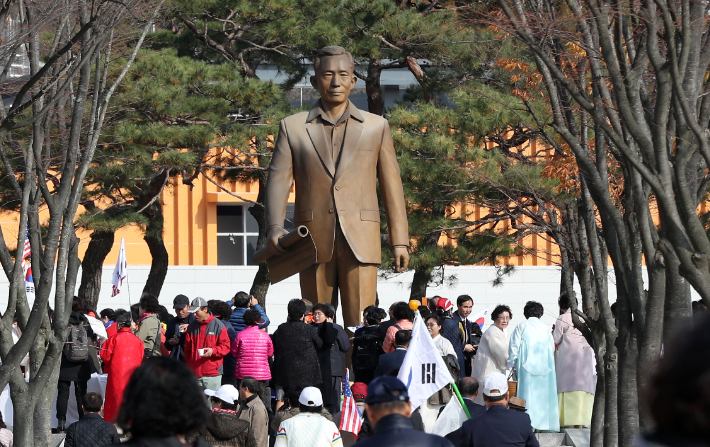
285 242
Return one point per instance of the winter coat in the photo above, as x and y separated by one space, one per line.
295 361
121 354
149 333
177 351
229 363
111 329
283 415
91 431
237 318
226 430
328 334
78 371
308 430
396 430
210 333
367 349
253 411
574 361
337 352
251 349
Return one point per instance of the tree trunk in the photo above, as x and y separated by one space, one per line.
262 280
678 308
598 421
159 265
611 388
375 100
92 266
422 276
628 412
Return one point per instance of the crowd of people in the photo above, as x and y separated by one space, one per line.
212 375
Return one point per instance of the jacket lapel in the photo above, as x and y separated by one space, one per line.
317 134
352 138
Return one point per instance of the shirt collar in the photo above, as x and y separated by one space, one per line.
350 112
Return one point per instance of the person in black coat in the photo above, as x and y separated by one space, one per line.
174 337
367 345
470 331
295 361
393 360
498 425
91 430
388 409
328 335
71 371
337 360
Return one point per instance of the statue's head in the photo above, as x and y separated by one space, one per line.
334 75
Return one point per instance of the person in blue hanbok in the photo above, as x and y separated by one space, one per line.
531 352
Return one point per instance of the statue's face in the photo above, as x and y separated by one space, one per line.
334 79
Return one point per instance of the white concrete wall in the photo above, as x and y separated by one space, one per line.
524 284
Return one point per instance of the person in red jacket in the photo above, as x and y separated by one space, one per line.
122 353
206 344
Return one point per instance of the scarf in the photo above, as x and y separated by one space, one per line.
222 410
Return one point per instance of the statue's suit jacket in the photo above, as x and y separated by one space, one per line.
301 154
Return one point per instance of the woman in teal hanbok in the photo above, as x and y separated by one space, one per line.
531 351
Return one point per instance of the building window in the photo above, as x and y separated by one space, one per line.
238 232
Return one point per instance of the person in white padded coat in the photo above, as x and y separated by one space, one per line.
308 428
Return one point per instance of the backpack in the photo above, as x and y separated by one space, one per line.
76 348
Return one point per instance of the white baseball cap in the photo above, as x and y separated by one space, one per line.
226 393
310 397
495 384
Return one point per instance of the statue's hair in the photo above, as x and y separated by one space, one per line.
332 50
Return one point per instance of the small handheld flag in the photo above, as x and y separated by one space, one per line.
121 271
423 370
350 416
27 269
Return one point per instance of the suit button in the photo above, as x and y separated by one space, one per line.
337 187
331 211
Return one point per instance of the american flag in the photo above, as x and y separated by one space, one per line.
350 416
27 268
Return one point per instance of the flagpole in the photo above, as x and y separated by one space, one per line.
458 395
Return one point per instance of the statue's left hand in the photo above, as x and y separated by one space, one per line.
401 258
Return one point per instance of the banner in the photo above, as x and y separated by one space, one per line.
423 370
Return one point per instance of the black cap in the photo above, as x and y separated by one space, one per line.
386 389
180 302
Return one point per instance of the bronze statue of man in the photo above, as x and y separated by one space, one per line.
336 154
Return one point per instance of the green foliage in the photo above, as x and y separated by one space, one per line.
170 112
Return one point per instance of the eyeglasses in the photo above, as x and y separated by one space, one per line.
501 318
431 324
318 314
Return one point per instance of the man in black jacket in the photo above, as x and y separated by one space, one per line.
91 430
388 408
394 359
470 331
498 425
177 328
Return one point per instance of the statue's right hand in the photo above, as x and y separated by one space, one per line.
272 239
